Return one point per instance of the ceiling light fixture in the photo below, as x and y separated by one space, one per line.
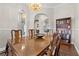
35 6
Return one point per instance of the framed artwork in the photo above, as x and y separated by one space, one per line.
63 27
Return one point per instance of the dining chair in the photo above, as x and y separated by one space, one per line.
54 46
31 33
16 35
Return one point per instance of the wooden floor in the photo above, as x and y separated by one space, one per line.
65 50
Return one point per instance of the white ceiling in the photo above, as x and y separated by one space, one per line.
50 5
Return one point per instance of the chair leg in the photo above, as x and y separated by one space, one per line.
7 47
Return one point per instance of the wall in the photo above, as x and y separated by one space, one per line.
69 10
76 29
63 11
9 16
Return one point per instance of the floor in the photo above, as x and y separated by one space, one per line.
65 50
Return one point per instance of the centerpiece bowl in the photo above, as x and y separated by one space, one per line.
40 35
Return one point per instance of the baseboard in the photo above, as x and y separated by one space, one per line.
76 49
2 49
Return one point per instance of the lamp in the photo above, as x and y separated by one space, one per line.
35 7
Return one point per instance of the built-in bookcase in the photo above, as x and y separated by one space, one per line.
63 27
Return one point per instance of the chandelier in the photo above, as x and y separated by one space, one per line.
35 7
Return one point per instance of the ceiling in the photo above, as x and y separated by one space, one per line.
50 5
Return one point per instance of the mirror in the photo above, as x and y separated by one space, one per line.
41 23
22 18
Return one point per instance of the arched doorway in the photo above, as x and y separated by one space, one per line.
41 23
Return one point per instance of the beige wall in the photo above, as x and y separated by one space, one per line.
62 11
76 29
69 10
8 20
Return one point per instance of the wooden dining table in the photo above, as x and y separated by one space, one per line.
29 47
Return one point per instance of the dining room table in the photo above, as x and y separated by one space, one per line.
29 46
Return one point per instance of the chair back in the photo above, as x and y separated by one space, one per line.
16 35
31 33
55 44
54 39
57 47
